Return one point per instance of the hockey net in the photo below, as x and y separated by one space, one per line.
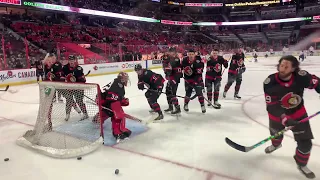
58 134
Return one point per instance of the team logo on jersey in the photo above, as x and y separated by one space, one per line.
290 100
302 72
240 62
267 81
217 67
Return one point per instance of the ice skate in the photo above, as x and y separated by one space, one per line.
85 116
177 110
120 138
307 172
224 95
159 117
186 107
77 109
67 117
236 96
210 103
216 105
169 110
203 108
272 148
151 111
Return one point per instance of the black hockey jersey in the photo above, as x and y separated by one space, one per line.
192 69
77 72
151 80
57 71
286 97
113 92
237 62
173 69
38 65
214 67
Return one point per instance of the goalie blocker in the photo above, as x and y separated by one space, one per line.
285 106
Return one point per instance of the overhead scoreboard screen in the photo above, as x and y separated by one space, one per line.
12 2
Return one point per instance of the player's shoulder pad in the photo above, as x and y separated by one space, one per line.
79 68
269 80
302 73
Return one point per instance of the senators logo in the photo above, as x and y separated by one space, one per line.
240 62
290 100
217 67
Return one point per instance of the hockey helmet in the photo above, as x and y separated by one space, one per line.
137 67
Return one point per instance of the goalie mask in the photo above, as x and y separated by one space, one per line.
124 78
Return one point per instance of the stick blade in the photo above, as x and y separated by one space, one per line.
236 146
7 88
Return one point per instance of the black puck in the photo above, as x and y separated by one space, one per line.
6 159
79 158
116 171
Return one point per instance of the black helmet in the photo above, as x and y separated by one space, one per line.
137 67
72 57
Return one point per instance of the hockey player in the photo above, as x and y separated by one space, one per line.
255 56
112 100
193 69
56 74
301 56
285 105
74 74
154 83
173 71
236 69
214 76
39 70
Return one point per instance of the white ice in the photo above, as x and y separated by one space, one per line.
189 148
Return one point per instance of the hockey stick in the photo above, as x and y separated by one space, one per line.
88 73
194 96
126 115
6 89
249 148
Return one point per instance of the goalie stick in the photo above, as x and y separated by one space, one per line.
6 89
126 115
249 148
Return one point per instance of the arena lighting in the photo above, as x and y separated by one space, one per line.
249 22
86 11
138 18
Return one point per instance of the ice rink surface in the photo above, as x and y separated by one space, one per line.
191 147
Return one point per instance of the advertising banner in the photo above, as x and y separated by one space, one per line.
20 75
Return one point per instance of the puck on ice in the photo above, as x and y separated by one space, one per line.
116 171
6 159
79 158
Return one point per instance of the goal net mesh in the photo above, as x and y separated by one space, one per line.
68 122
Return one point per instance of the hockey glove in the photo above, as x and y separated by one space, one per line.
288 121
141 86
125 102
70 78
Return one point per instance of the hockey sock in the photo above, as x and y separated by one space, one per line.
216 95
